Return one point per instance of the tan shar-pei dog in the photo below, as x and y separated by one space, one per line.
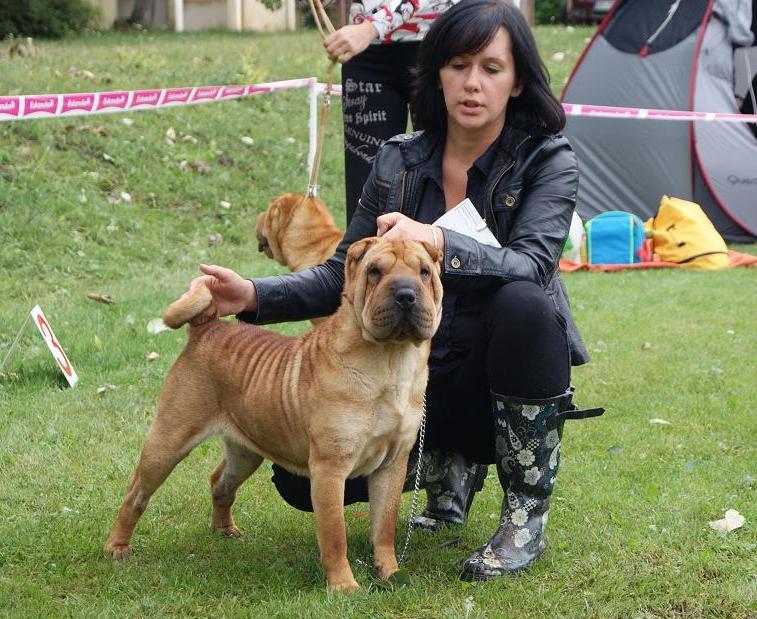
297 232
342 400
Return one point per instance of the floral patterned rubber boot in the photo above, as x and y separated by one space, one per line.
528 439
450 482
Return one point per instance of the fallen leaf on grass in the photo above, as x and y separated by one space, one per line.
74 72
733 520
657 421
153 356
156 325
108 158
100 298
198 166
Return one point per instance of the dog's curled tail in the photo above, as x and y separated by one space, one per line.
195 307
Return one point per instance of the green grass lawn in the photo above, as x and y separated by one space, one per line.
628 528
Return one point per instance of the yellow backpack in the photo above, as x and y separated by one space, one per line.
683 234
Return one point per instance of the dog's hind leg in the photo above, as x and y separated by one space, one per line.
165 446
237 465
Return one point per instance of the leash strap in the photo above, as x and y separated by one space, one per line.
324 25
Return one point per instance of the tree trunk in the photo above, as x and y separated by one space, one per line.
140 10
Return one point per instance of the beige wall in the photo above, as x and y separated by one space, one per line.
256 17
108 11
200 14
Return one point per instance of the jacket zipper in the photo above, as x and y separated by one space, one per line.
491 196
496 182
402 191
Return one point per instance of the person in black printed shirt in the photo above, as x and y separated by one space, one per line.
378 47
499 372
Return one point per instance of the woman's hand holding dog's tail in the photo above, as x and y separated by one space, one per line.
232 294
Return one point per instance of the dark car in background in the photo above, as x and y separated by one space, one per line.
586 11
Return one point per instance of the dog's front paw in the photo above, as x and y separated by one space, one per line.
230 530
346 586
117 551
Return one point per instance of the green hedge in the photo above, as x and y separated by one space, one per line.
44 18
549 11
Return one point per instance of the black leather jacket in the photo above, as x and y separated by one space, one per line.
531 193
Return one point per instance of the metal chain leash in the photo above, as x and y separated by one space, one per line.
419 468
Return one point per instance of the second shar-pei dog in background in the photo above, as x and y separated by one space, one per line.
297 232
342 400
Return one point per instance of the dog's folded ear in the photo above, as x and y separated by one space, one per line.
356 252
434 252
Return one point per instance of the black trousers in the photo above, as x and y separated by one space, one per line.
375 100
520 349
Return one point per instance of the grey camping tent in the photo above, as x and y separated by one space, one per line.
667 55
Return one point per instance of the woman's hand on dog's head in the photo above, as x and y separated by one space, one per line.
232 293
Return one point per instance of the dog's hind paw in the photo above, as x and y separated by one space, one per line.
118 551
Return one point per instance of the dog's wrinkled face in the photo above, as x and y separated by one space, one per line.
395 289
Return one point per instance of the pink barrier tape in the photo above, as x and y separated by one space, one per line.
24 107
606 111
77 104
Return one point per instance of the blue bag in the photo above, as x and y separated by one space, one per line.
614 237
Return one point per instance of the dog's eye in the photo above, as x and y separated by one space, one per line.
374 272
425 273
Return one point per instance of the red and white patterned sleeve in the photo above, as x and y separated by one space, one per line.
392 14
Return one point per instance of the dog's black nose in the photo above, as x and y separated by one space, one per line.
405 297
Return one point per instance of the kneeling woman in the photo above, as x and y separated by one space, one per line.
499 386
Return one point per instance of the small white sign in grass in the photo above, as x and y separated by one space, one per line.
56 350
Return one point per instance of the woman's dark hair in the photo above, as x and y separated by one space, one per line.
467 28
